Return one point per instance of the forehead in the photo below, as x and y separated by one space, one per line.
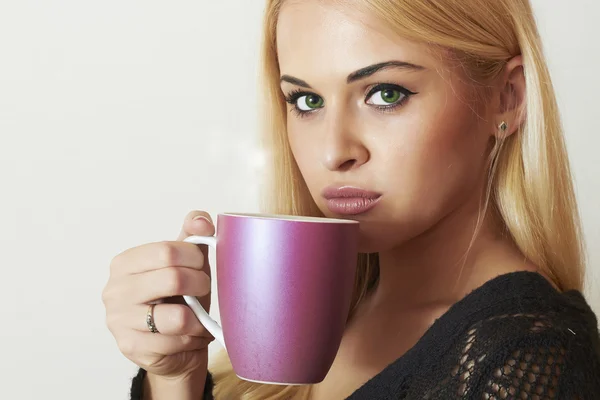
316 35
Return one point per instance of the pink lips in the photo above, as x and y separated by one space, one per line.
347 200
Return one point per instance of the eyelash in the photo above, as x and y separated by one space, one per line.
294 95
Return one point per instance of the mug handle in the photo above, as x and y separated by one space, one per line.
210 324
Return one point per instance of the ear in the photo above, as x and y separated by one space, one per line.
510 100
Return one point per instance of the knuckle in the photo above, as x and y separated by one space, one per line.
180 318
105 295
115 263
186 340
168 254
150 361
174 281
110 321
127 346
108 293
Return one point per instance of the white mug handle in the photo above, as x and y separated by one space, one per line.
210 324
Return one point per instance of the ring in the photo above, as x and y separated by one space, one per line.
150 319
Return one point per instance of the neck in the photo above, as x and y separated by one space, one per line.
444 264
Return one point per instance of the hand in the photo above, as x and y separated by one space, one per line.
156 273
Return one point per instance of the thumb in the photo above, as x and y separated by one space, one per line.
197 223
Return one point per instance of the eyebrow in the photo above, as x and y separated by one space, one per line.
361 73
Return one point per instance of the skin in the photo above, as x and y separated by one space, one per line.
427 158
176 359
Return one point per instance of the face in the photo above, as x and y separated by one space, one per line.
383 131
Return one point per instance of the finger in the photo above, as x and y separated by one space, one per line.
169 319
139 344
197 223
157 255
161 283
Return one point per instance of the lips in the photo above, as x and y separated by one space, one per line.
347 200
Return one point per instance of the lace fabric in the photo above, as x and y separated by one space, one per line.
519 356
514 338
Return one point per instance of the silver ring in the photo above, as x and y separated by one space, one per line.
150 319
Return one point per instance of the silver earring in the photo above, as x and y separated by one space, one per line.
503 126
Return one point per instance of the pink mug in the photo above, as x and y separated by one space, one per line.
284 290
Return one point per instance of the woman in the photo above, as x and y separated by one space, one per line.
471 263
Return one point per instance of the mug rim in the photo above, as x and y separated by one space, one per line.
290 218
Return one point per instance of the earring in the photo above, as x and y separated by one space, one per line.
503 126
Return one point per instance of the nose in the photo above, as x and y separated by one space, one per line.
343 146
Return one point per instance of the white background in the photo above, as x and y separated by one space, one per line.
118 117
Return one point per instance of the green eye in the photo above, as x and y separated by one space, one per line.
390 95
386 97
309 102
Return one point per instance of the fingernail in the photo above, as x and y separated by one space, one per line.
202 217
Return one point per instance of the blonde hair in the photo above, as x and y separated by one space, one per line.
531 188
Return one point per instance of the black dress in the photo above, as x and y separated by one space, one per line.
515 337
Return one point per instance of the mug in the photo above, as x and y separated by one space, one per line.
285 285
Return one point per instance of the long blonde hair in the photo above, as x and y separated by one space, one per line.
531 188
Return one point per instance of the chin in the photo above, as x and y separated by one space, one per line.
378 232
373 239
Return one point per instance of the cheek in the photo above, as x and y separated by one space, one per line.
300 147
450 151
437 162
304 145
435 167
450 154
